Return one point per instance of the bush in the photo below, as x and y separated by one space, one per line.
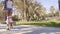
49 23
15 18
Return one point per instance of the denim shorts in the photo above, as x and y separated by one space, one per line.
9 9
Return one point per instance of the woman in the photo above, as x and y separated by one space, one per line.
8 5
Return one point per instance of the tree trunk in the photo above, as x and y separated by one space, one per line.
59 4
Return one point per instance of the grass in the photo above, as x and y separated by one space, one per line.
50 23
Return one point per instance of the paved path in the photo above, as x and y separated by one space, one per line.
27 29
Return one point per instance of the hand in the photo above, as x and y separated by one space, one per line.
3 8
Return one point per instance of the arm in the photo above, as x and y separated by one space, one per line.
4 5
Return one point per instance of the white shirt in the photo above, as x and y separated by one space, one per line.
9 4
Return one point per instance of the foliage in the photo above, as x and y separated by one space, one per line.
50 23
32 10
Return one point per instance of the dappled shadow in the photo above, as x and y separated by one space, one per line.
42 32
45 30
26 29
17 28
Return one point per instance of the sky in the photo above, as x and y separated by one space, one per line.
1 0
47 4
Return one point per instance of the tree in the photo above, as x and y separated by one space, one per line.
1 12
43 12
29 8
52 9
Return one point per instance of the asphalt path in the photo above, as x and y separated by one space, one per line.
29 29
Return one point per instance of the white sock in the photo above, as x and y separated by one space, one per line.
7 21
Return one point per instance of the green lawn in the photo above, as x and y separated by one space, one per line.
50 23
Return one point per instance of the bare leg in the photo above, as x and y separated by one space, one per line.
9 25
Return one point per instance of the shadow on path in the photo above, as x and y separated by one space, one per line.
27 29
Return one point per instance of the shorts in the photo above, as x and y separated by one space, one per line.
9 9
